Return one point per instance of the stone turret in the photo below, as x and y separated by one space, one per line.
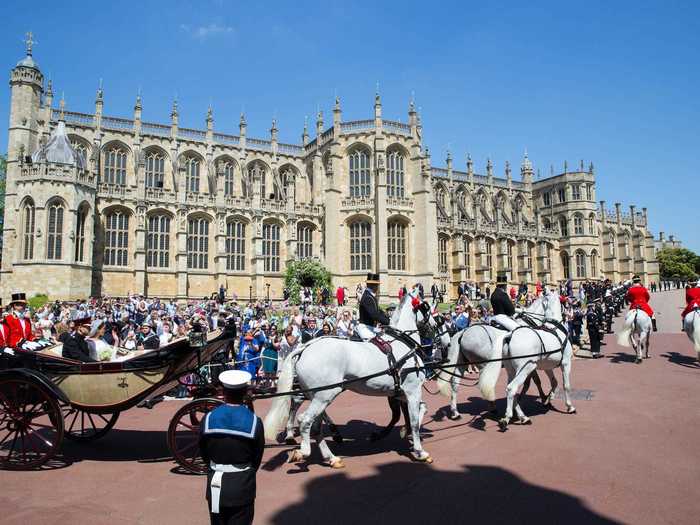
526 170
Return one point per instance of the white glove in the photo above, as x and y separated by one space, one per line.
9 351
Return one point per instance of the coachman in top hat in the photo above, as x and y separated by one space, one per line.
370 313
19 327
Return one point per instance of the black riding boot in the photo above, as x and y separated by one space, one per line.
653 324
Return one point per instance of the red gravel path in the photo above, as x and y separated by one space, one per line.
630 455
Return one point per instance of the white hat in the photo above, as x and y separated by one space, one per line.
235 379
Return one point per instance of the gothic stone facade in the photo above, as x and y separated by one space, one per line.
174 212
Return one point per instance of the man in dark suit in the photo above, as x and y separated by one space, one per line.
370 313
74 344
500 302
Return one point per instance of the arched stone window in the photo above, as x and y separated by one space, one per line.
192 177
155 169
563 227
360 179
576 192
489 254
116 239
198 243
81 220
591 224
229 178
305 247
82 151
467 245
279 185
115 165
594 264
546 223
271 247
463 205
578 224
235 246
589 194
256 171
626 245
509 255
565 265
28 230
396 245
54 237
442 254
360 245
158 242
441 202
580 264
395 174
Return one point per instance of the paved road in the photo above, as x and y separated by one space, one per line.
630 455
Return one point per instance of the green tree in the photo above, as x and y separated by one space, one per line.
306 272
678 263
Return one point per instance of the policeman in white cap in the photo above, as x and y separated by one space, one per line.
232 440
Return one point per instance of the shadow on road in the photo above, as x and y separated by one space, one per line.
622 357
682 360
416 493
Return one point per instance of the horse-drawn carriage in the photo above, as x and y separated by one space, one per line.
45 397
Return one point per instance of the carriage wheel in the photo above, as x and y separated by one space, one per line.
84 426
31 424
183 434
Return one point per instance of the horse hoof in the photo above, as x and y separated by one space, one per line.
338 438
337 463
638 361
571 410
295 456
526 421
503 423
455 417
423 457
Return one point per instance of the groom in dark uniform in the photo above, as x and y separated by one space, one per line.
500 302
232 441
370 313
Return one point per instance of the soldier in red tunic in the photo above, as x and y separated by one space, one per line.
638 297
18 323
4 333
692 299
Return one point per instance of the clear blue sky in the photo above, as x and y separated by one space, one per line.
612 82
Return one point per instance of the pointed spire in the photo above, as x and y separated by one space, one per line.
305 133
49 89
526 169
173 112
337 104
242 121
566 167
210 114
100 93
590 168
412 103
489 169
508 172
581 168
242 125
138 106
62 107
470 164
319 123
377 98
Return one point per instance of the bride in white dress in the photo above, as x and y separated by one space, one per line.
99 349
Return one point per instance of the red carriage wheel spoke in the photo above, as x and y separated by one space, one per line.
193 428
75 417
37 435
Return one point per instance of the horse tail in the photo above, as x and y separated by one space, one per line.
445 385
696 334
276 418
623 337
488 375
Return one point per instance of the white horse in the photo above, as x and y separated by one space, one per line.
636 332
327 361
528 349
483 344
691 325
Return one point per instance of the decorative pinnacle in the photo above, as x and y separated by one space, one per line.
242 121
62 107
210 114
508 169
306 124
100 92
337 103
29 42
49 88
274 125
173 113
319 116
